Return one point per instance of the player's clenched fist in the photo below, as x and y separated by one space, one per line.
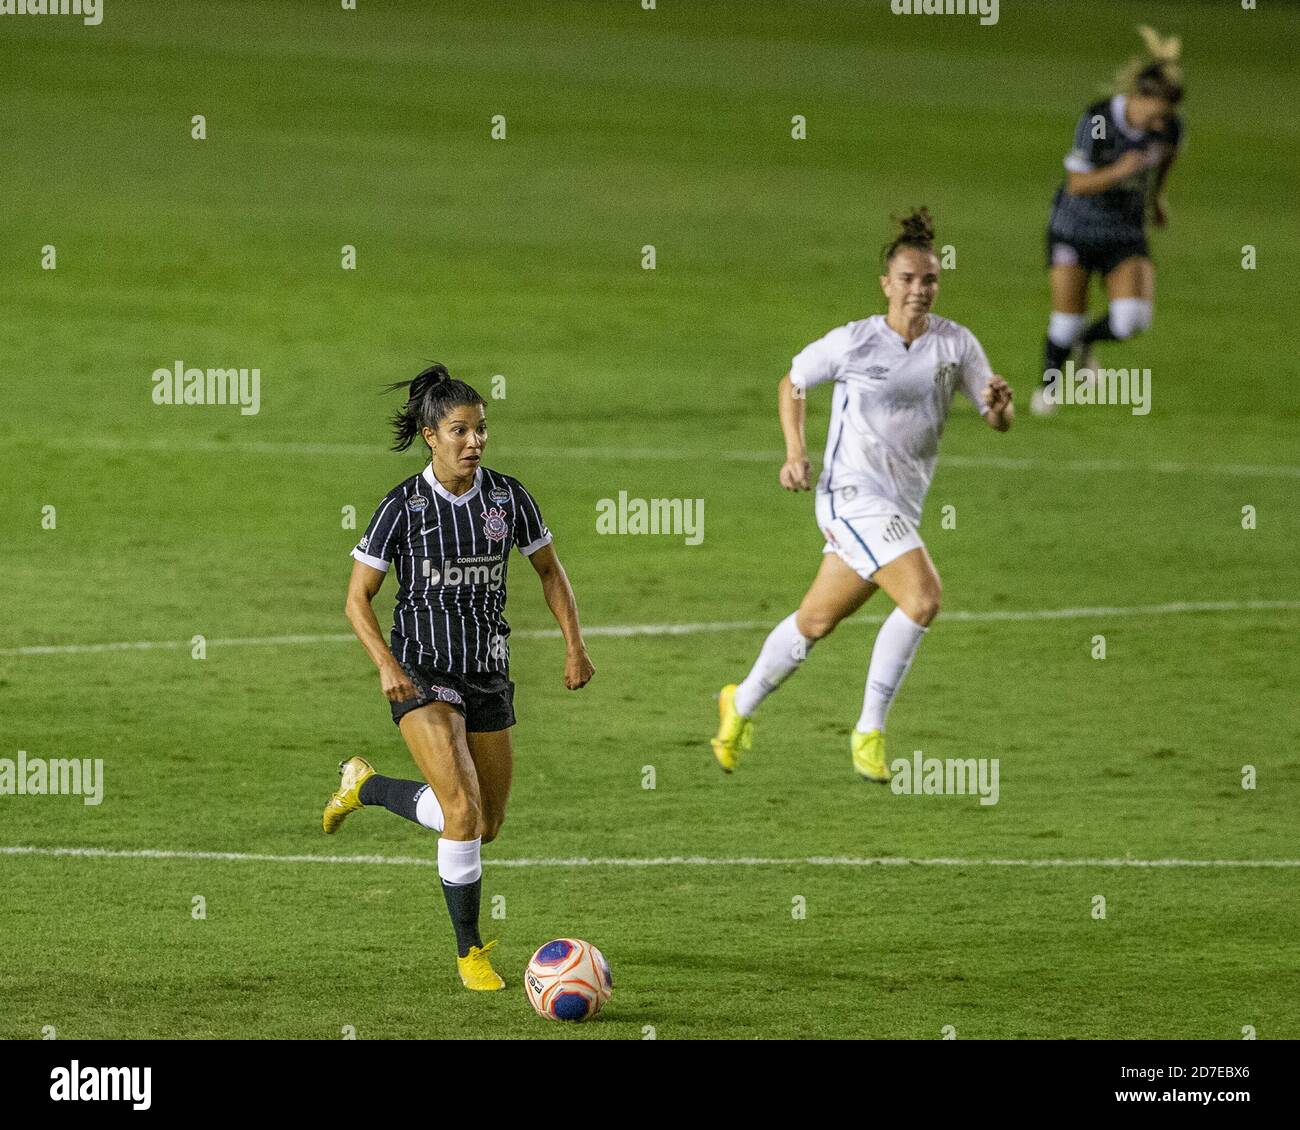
997 394
396 683
578 670
796 474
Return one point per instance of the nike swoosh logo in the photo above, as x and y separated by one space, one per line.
427 531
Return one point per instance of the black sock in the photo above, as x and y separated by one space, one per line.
393 793
1099 331
1054 356
462 905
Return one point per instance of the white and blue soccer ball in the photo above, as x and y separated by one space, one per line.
568 979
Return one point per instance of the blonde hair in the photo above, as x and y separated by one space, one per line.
1158 74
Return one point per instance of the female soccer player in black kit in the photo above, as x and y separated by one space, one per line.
445 668
1124 147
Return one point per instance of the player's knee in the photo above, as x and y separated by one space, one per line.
463 817
814 624
1130 316
924 605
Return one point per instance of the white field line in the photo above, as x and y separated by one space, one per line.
684 455
661 861
623 631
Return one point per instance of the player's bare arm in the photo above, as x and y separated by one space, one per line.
364 583
578 668
1100 180
1159 202
796 471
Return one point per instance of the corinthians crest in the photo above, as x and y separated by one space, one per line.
494 524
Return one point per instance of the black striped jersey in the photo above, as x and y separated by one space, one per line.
1117 215
451 554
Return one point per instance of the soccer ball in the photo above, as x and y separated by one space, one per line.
568 979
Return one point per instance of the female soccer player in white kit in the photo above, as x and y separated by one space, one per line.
894 378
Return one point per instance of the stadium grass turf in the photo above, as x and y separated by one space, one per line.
522 257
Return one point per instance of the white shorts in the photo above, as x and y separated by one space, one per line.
864 530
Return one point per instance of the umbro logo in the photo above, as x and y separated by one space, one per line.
871 372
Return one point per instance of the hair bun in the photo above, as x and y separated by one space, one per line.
917 232
919 225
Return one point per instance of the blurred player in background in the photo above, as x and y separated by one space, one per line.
445 669
1124 147
894 379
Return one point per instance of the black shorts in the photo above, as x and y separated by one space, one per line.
486 699
1099 257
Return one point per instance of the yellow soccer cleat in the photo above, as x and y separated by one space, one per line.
355 772
735 732
869 755
476 970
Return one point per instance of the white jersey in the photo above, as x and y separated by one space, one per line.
890 403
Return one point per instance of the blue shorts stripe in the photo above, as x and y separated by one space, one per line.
861 542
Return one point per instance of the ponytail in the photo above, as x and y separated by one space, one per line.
1158 75
429 398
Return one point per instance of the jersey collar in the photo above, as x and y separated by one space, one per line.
897 338
442 492
1117 111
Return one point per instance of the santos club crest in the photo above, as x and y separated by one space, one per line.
494 524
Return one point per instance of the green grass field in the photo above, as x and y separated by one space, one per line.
522 257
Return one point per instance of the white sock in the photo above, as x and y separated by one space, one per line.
783 651
427 809
1064 329
1129 316
896 643
459 861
